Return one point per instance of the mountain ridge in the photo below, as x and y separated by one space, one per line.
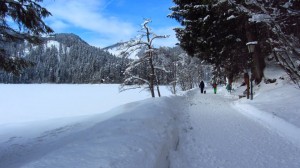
65 58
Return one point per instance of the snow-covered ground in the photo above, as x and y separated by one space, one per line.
220 131
92 126
44 125
36 102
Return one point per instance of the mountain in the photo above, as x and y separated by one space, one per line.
118 48
66 58
67 39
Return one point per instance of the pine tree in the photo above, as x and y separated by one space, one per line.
27 15
217 31
212 31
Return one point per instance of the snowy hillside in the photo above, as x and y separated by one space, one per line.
119 48
92 126
66 58
52 43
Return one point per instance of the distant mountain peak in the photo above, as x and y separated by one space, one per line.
114 46
118 48
67 39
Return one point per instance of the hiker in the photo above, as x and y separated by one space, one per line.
229 87
201 86
215 87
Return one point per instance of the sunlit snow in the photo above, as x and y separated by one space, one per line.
92 126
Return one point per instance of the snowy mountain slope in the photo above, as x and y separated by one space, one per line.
119 48
68 39
58 41
66 58
52 43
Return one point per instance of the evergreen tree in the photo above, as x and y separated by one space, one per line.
27 15
212 31
217 31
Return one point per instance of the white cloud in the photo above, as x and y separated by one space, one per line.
96 40
58 25
87 15
89 19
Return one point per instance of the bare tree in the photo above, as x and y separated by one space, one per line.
144 43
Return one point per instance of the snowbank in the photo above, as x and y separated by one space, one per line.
275 105
138 134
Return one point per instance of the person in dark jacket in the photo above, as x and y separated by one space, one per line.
201 86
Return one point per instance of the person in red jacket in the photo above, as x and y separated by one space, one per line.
215 87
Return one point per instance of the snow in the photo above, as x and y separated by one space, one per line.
201 6
251 43
260 18
231 17
35 102
52 43
220 135
92 126
249 2
205 18
287 5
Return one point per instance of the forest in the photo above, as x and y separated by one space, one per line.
220 32
66 58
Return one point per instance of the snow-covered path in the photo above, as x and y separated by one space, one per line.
214 134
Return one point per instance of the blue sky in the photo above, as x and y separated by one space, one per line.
105 22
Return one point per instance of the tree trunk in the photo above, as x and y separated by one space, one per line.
151 85
157 85
230 79
158 91
246 80
258 65
258 61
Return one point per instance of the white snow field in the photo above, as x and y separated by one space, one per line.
94 126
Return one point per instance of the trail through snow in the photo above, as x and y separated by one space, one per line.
214 134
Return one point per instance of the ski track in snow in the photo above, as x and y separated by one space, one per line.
214 134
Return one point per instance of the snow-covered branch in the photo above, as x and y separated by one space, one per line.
162 69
